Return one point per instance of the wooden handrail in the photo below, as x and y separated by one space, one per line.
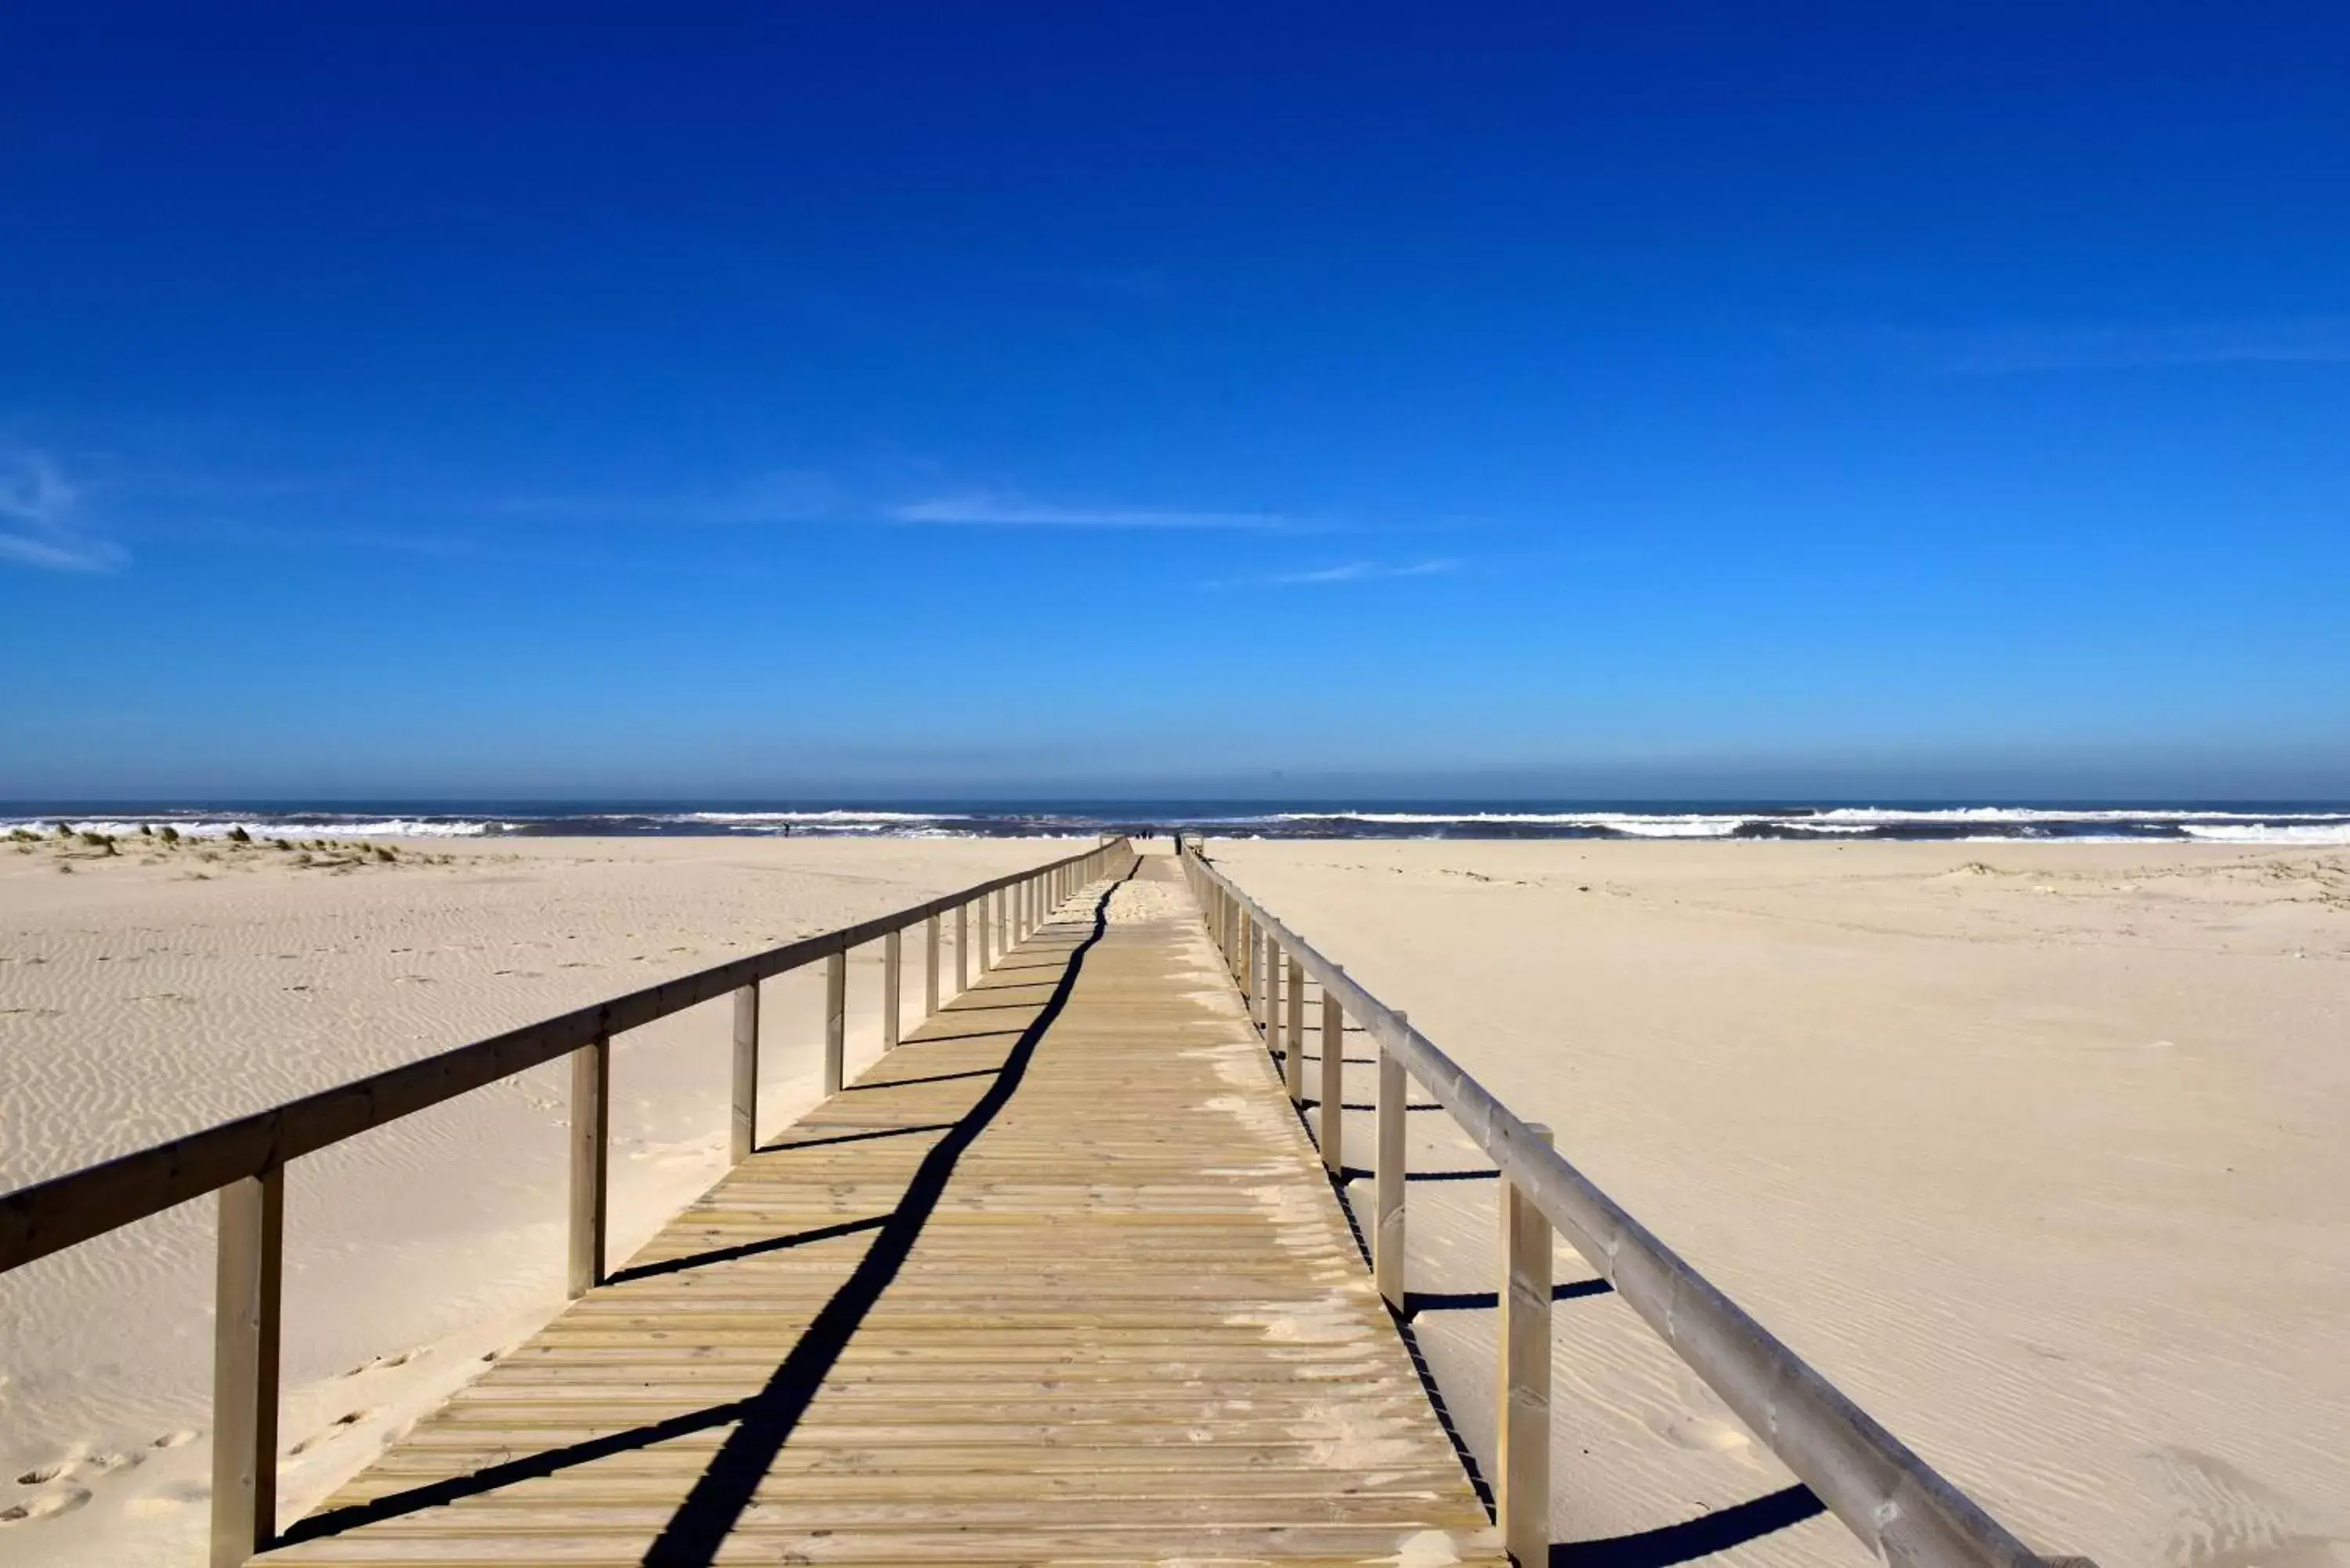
244 1160
51 1215
1900 1506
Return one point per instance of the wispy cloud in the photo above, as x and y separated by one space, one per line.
783 495
1344 572
40 518
986 510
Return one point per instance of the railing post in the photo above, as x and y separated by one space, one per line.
984 941
1334 1083
836 1019
930 965
249 1269
592 1118
1521 1446
1386 1200
892 985
744 1126
1273 1037
962 948
1253 982
1292 1030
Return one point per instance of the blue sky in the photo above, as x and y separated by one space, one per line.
753 400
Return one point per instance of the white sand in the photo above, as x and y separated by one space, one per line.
2038 1152
137 1003
2042 1163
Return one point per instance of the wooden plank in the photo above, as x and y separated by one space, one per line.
835 1021
742 1120
1521 1450
1387 1178
1334 1084
591 1144
245 1333
969 1309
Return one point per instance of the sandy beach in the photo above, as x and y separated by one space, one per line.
2036 1151
152 992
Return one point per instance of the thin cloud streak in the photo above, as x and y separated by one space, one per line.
784 495
39 520
983 510
1346 572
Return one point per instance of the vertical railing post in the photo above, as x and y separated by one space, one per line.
1253 985
743 1135
1293 1029
1334 1083
893 987
986 943
249 1270
930 965
835 1020
962 948
1272 1008
1387 1201
1521 1446
591 1126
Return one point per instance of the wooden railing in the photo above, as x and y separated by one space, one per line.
1902 1509
244 1160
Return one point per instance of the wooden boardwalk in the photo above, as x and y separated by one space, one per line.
1059 1280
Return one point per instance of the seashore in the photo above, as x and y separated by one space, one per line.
2025 1146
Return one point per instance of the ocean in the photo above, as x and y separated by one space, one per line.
2281 822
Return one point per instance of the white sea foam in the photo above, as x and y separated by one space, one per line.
2268 831
797 817
1927 816
1638 825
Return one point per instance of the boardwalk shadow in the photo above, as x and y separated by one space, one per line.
1418 1302
910 1083
763 1422
856 1137
1693 1538
746 1249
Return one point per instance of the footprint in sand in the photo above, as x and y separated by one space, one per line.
1700 1434
178 1437
342 1423
382 1363
1705 1424
47 1505
170 1499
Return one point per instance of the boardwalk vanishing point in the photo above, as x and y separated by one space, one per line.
1060 1279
